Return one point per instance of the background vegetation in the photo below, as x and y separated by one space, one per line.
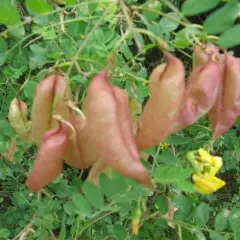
76 38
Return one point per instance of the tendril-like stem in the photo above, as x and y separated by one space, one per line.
59 118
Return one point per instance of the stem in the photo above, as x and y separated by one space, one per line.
174 9
163 15
130 24
94 221
84 43
179 231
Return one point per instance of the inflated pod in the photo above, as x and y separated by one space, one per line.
10 151
203 55
167 83
47 94
108 123
49 162
82 153
226 110
200 95
17 117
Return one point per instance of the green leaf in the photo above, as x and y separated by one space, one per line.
167 24
221 220
3 50
167 157
109 188
161 203
216 236
49 35
236 235
162 223
39 55
186 186
119 232
38 6
202 213
193 7
131 195
234 219
4 233
151 16
230 38
8 13
29 90
93 194
184 37
223 18
171 174
70 2
6 129
177 140
185 207
17 31
126 51
82 206
69 208
62 234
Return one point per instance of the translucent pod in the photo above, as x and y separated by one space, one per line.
203 55
17 117
49 97
10 151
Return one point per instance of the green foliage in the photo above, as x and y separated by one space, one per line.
230 38
35 42
223 18
194 7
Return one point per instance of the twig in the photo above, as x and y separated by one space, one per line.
85 74
32 41
164 15
74 59
94 221
26 229
130 25
61 17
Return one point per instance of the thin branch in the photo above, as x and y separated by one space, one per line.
84 43
163 15
129 22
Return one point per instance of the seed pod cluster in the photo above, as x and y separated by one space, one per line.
111 136
226 108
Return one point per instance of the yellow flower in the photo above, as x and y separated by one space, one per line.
5 34
163 145
205 168
207 184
